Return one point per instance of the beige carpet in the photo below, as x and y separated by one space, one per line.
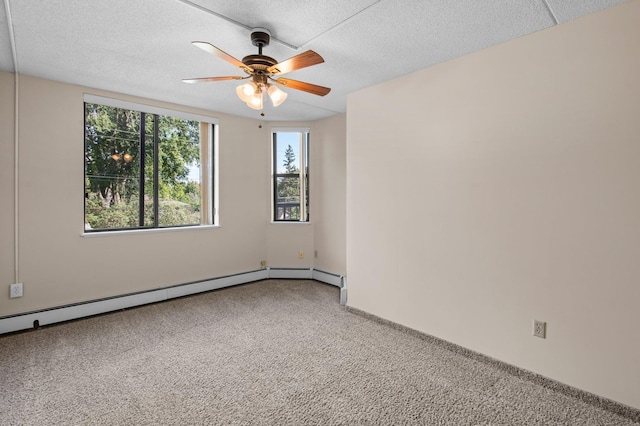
278 352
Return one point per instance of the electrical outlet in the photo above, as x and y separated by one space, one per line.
300 254
540 329
15 290
263 263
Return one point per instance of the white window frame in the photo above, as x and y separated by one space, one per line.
304 177
208 164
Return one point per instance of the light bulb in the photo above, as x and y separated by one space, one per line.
249 88
277 96
246 91
255 101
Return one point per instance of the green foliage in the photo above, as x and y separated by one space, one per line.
289 186
113 168
125 215
121 215
110 134
289 162
173 212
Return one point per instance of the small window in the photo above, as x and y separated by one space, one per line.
290 175
145 169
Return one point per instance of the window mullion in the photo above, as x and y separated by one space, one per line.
307 185
141 176
303 212
156 171
274 153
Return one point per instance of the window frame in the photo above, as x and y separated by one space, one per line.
209 130
304 179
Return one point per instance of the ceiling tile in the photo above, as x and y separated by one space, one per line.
144 48
388 41
6 58
292 21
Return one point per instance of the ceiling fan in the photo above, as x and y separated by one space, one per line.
261 70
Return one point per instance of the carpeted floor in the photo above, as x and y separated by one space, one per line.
278 352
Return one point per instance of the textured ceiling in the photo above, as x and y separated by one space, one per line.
143 48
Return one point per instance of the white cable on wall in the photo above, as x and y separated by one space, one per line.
16 151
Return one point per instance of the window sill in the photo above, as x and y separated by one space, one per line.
146 231
284 222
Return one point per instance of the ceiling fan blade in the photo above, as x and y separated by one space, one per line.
301 85
210 48
203 79
303 60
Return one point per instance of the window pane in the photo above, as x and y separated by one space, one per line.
306 197
142 170
112 167
288 198
306 180
179 172
291 176
288 153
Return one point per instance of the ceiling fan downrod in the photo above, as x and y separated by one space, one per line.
260 37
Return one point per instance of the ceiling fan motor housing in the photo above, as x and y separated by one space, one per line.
259 62
260 37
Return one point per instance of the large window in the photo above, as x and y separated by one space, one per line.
290 175
146 169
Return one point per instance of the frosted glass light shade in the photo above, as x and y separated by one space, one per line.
277 96
255 101
246 91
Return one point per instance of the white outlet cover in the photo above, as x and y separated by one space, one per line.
15 290
540 329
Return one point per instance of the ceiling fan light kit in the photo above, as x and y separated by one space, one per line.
255 101
246 91
277 96
262 70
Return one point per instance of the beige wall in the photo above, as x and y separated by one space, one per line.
502 187
58 266
325 233
328 191
286 240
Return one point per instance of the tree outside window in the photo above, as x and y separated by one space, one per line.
290 154
141 170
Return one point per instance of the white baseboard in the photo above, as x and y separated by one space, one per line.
328 277
95 307
339 281
295 273
79 310
216 283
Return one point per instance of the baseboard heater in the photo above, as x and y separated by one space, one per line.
35 319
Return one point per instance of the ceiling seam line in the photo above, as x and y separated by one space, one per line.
234 22
339 24
551 13
12 38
